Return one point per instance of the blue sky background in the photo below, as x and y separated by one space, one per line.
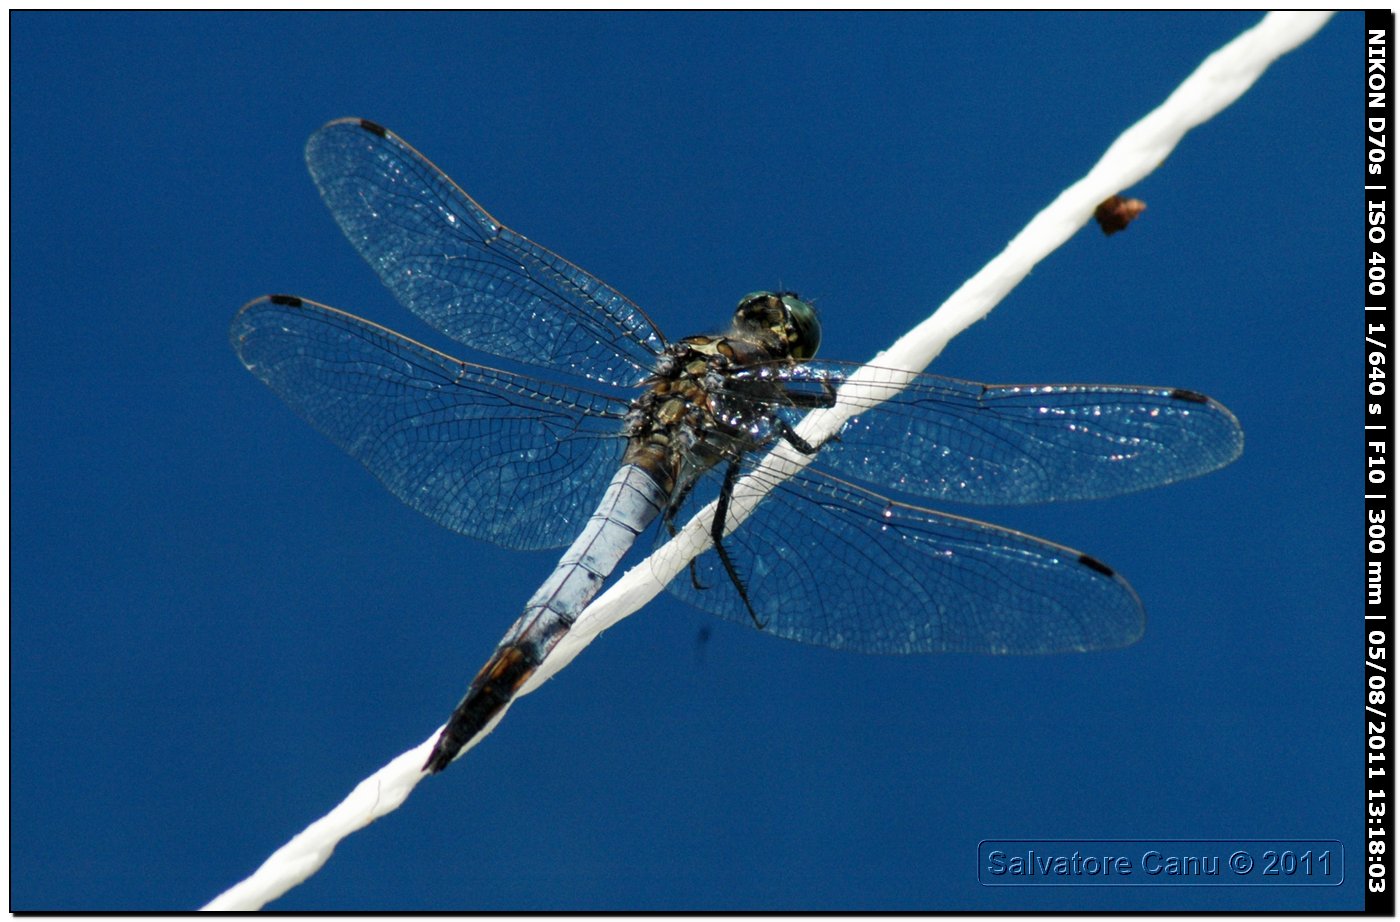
220 623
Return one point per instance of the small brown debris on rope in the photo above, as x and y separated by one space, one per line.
1115 213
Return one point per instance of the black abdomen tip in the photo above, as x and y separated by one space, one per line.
1189 396
1098 566
285 300
373 127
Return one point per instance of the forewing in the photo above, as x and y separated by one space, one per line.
466 274
487 453
946 439
827 563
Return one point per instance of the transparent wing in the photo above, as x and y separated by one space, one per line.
487 453
465 273
1013 444
828 563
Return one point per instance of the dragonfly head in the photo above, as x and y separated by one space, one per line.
782 314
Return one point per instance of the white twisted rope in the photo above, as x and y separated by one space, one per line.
1218 82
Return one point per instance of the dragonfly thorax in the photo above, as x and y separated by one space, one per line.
689 418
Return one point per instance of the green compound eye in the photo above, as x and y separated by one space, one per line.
805 322
783 313
747 300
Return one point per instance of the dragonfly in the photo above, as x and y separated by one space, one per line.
625 429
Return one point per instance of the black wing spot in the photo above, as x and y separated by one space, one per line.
1189 396
1098 566
373 127
285 300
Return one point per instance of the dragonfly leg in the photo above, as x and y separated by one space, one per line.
790 436
670 521
694 574
805 401
731 477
